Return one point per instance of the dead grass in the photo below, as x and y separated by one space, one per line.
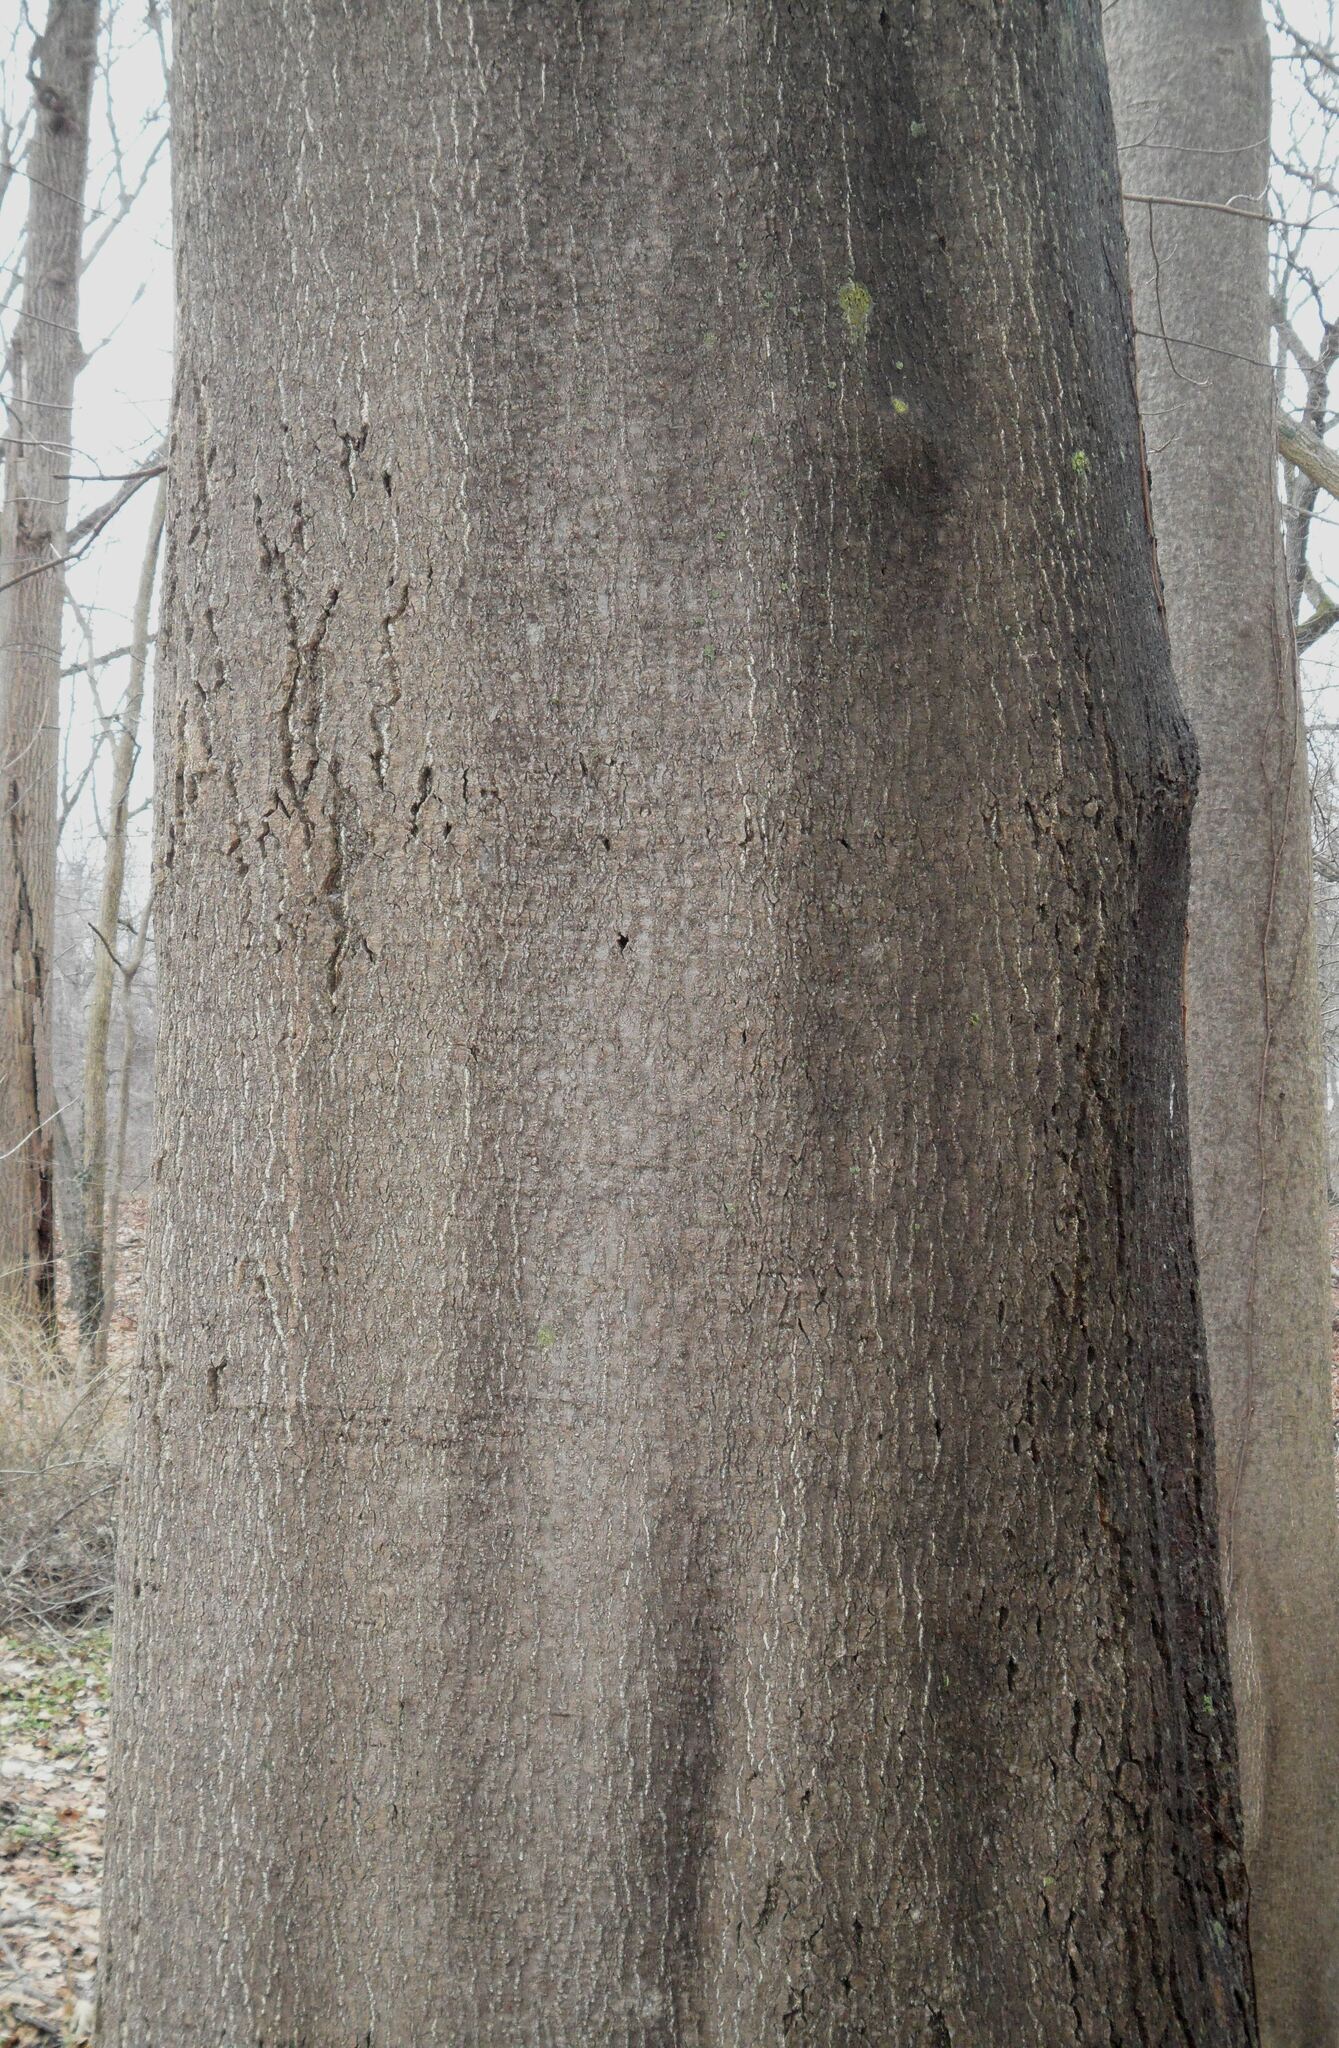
60 1461
61 1436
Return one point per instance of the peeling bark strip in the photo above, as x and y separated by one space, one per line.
44 361
1193 79
670 1498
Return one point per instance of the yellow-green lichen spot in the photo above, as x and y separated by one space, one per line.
856 305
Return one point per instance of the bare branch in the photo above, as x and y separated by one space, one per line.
1302 447
82 536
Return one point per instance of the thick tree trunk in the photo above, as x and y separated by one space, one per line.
671 1498
87 1256
1193 78
45 360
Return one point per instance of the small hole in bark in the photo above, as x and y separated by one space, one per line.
622 942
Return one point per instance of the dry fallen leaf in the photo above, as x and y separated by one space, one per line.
53 1769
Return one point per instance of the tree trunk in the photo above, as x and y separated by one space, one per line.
1194 83
44 361
87 1257
670 1497
111 1249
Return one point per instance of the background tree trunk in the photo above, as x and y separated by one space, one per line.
111 1249
670 1497
1193 78
45 360
88 1253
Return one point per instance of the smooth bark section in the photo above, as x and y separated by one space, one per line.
88 1254
44 362
670 1498
1193 77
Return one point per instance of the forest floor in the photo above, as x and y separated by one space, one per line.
53 1694
53 1767
53 1762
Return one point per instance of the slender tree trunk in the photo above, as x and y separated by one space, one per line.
86 1264
1194 91
670 1497
44 363
111 1251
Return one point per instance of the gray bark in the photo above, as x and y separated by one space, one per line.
670 1497
111 1249
1193 78
44 362
1306 449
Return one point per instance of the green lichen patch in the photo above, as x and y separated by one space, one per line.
856 305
